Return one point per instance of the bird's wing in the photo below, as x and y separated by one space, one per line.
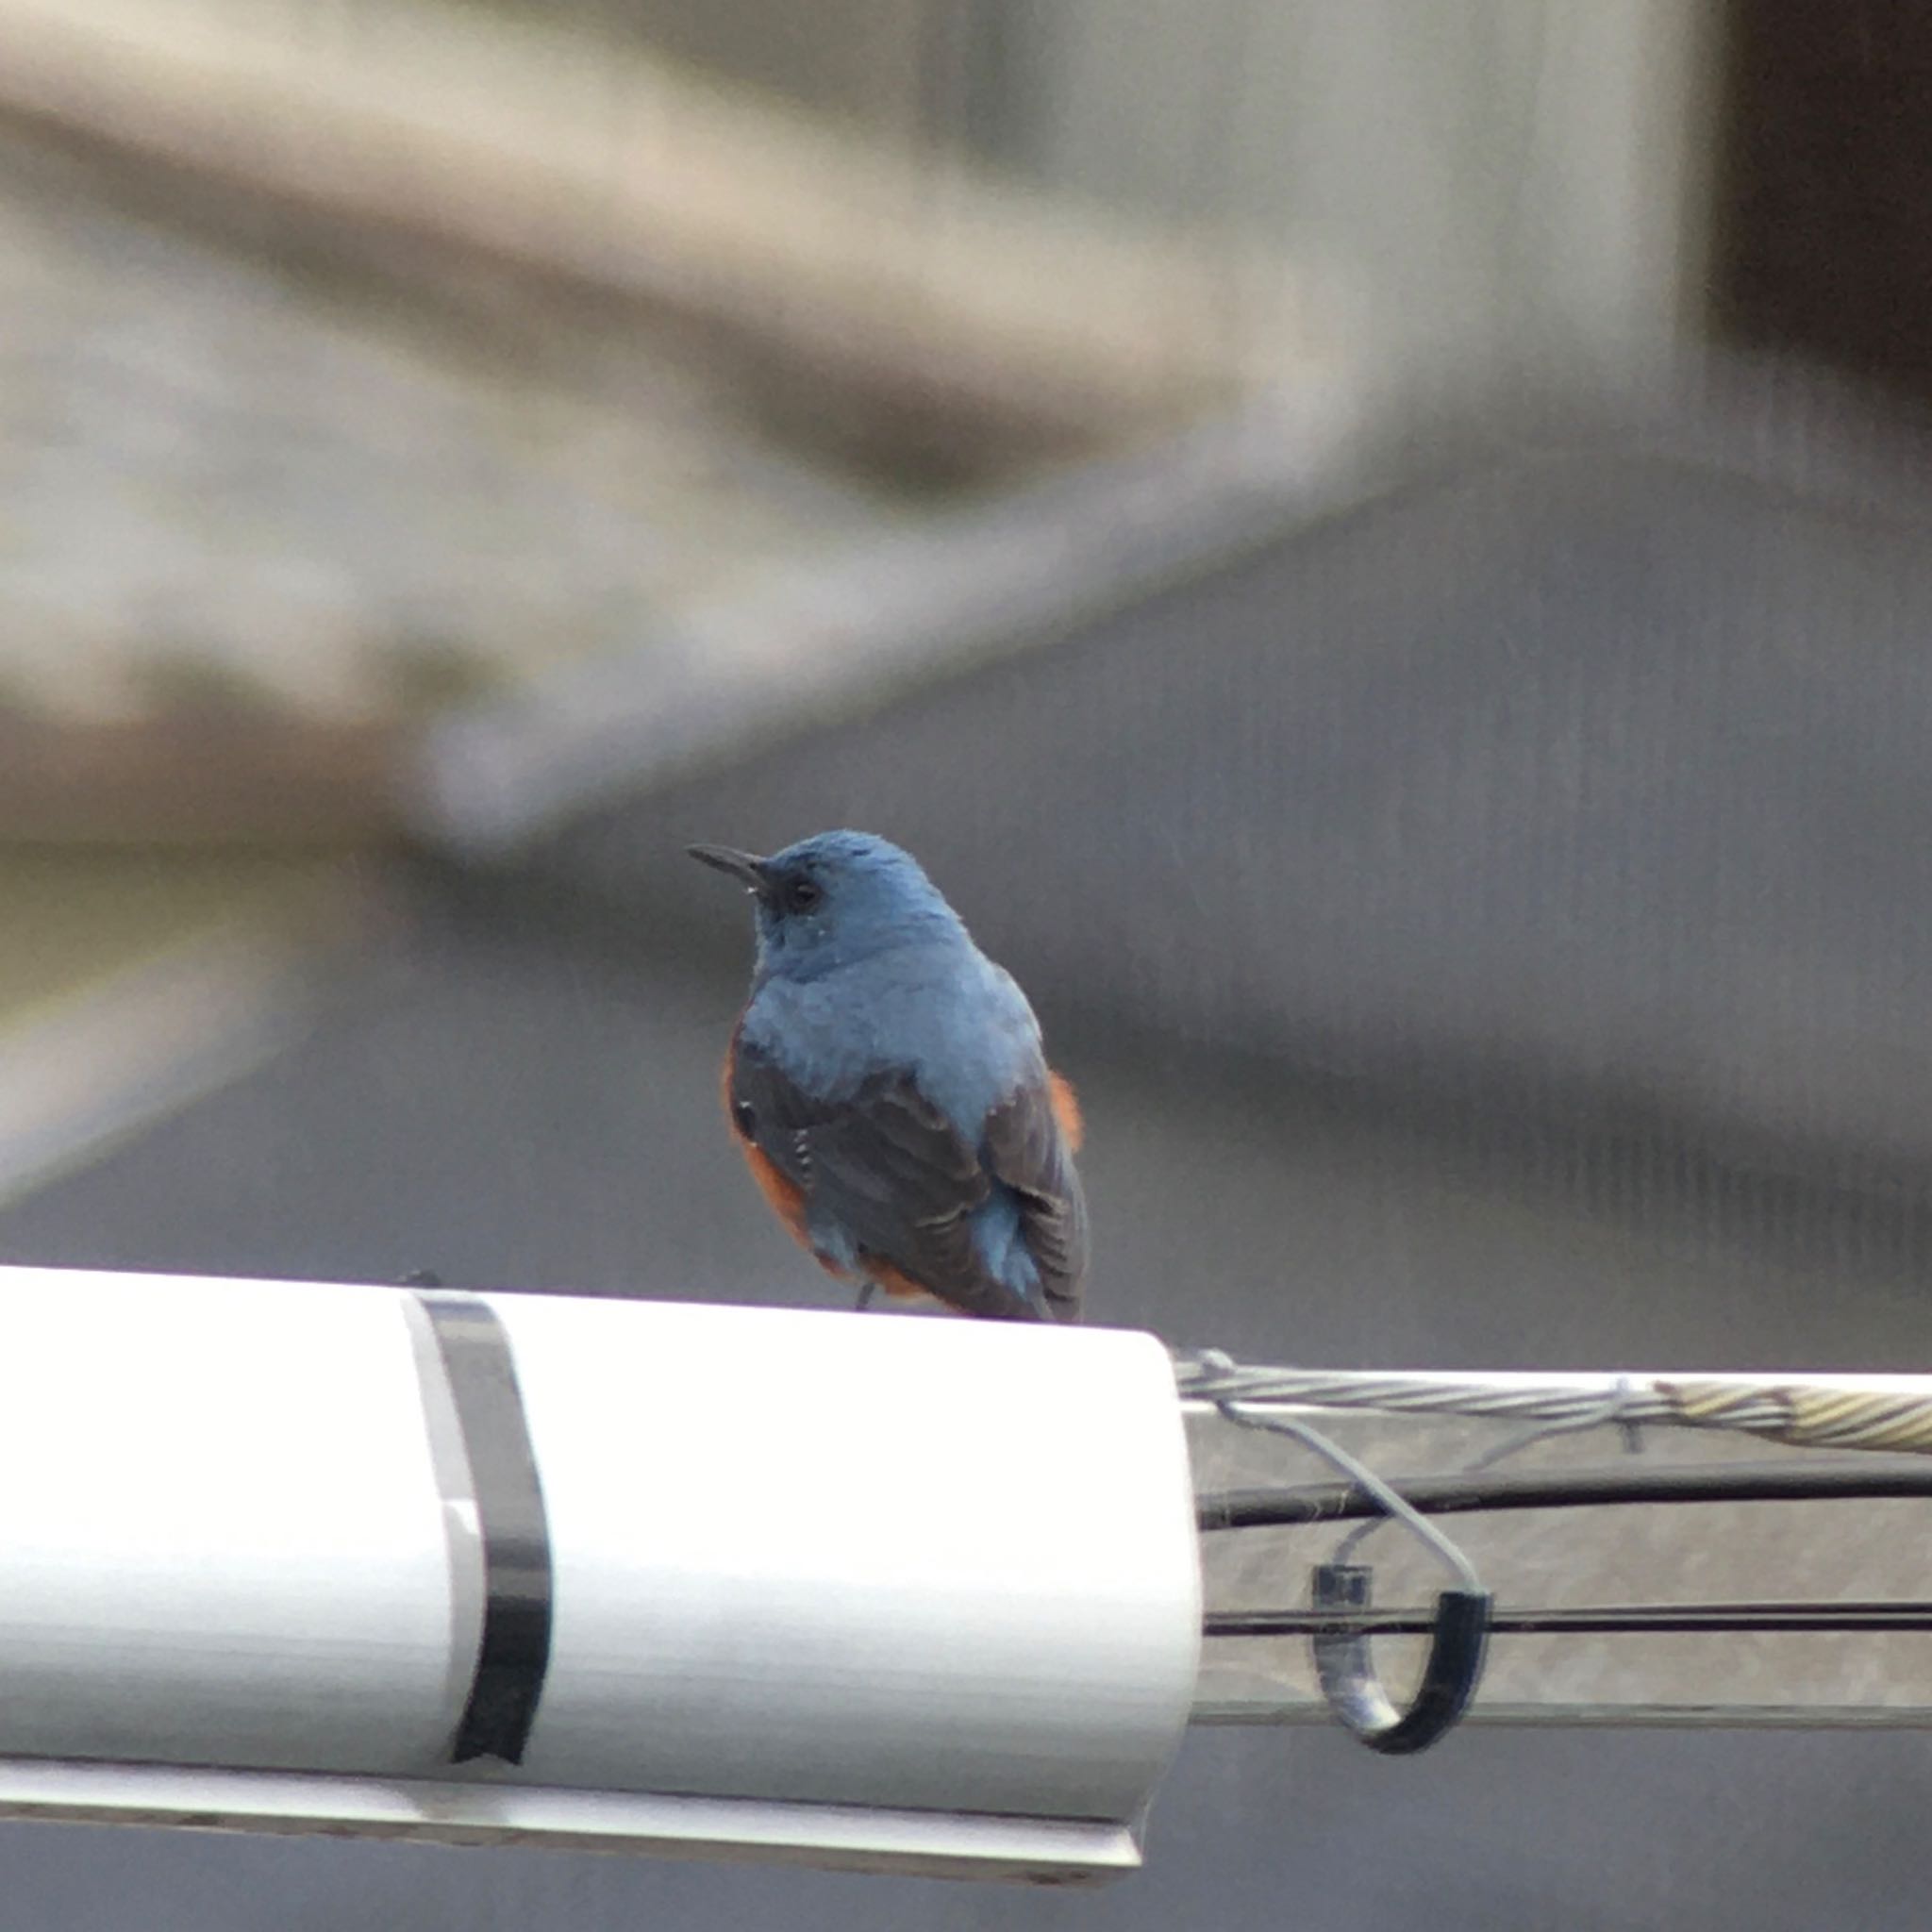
887 1167
1028 1150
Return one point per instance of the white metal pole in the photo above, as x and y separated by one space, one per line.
872 1590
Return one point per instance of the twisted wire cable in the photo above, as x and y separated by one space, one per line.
1805 1412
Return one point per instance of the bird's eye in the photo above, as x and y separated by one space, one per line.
803 894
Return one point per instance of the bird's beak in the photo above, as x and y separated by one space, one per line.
746 867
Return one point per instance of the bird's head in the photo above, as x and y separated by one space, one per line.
835 898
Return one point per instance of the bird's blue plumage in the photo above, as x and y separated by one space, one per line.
875 1020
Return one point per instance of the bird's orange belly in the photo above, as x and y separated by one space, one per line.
1066 1110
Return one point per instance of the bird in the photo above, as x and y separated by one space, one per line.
887 1086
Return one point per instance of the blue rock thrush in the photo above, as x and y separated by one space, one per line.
887 1084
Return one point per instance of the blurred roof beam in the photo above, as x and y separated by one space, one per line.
945 305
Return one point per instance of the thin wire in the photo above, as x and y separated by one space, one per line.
1610 1486
1611 1619
1365 1479
1610 1410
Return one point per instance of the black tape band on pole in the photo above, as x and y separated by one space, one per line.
514 1650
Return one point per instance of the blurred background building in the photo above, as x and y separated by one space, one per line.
1380 553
